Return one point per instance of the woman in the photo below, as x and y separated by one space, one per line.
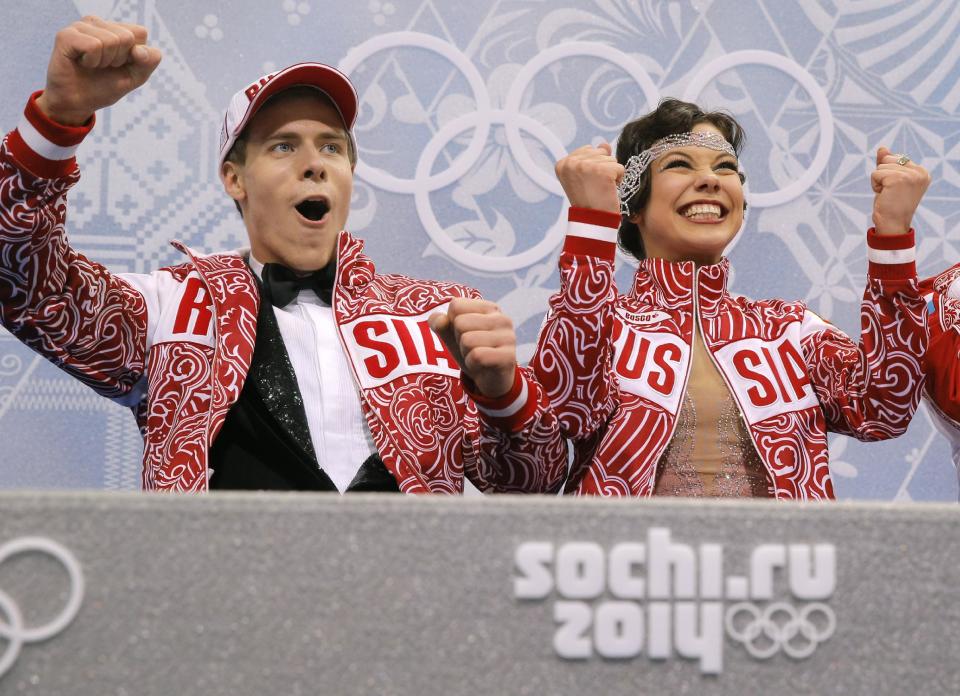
942 363
680 388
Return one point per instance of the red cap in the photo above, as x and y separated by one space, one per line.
245 103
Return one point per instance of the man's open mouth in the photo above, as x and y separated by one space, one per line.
313 209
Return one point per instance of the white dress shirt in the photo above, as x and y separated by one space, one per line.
338 428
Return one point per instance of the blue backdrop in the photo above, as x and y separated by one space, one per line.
465 108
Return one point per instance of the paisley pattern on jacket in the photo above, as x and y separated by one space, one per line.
615 366
942 364
176 345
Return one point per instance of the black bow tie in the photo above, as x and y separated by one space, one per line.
281 285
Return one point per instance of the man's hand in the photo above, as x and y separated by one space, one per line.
482 340
899 188
589 176
94 64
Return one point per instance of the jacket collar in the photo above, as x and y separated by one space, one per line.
670 284
354 268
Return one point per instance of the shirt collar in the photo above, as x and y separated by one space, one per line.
303 297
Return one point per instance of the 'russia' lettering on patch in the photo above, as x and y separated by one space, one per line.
769 377
384 347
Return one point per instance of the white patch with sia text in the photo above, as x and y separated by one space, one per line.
769 377
383 347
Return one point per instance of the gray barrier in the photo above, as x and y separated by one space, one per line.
131 594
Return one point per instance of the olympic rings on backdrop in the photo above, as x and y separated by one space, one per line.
780 626
568 50
821 103
551 240
424 183
13 630
467 159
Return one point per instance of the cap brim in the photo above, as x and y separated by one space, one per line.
325 78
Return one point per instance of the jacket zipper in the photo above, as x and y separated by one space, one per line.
334 299
683 392
214 364
698 328
736 400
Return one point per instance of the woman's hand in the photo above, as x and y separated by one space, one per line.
899 188
589 176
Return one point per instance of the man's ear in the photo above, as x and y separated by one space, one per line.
231 174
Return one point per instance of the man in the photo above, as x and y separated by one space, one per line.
335 381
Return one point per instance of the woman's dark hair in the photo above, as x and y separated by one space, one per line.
670 117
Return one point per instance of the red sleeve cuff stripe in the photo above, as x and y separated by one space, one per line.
34 163
511 408
500 402
43 147
578 246
889 241
55 133
590 216
518 421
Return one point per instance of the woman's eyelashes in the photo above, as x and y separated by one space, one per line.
675 164
685 164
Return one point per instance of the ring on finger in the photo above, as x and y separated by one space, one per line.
902 160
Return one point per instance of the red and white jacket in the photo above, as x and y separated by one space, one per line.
616 366
176 344
942 389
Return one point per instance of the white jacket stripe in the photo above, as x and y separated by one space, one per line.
43 147
892 256
587 231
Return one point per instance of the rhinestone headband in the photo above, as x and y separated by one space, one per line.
638 164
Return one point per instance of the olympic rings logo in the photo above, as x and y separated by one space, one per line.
424 182
13 631
780 626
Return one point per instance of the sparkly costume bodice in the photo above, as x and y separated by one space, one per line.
711 453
